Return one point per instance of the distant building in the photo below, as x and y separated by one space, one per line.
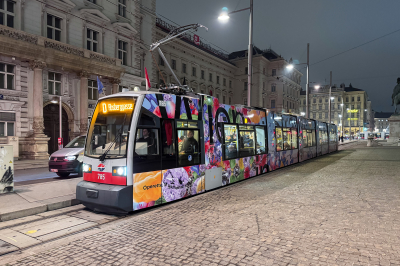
381 121
351 116
211 71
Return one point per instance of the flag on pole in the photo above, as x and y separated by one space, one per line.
148 85
99 86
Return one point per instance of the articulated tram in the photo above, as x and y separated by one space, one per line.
148 148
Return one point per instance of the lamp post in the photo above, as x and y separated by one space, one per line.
330 98
224 16
55 100
290 67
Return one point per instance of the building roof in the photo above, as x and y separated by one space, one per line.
383 114
351 88
268 53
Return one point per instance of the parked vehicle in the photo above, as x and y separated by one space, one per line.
69 159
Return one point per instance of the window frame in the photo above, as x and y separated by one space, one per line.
6 122
126 53
53 27
288 129
92 41
93 88
122 5
239 137
54 81
6 74
7 13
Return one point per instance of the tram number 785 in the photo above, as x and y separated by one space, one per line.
101 176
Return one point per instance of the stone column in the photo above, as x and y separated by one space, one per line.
36 145
83 94
115 84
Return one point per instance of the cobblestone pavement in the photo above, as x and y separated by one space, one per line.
340 209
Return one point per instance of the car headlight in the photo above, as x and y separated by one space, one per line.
70 158
119 171
87 168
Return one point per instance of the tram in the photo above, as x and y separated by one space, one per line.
145 149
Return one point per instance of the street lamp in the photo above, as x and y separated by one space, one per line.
223 17
55 100
290 67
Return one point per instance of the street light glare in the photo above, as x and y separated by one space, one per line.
317 87
223 17
289 67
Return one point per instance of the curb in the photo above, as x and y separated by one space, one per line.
37 209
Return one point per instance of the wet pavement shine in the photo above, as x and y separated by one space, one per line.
339 209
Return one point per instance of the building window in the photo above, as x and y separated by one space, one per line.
93 1
123 52
320 107
320 115
230 84
263 85
314 107
358 98
223 99
314 100
92 40
273 72
326 100
273 88
313 115
7 124
6 76
326 107
210 77
245 86
173 64
339 99
161 61
183 68
246 70
93 93
121 88
54 83
272 104
326 115
224 82
193 71
217 79
320 100
230 100
7 13
245 101
202 74
122 8
53 27
304 102
264 71
352 99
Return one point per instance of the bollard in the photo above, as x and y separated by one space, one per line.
370 140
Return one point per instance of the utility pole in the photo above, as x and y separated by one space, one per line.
308 82
330 100
250 56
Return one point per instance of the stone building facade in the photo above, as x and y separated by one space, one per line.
58 48
352 116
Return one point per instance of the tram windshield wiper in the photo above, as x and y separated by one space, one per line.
117 137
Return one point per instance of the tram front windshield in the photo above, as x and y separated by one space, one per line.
108 131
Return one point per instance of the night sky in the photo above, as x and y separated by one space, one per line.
331 27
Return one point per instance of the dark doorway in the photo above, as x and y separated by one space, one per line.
51 114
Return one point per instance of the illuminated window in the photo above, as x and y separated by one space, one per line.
188 147
246 142
231 142
260 140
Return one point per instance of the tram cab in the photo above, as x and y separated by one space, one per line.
307 138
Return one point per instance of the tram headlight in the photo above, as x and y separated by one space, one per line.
87 168
119 171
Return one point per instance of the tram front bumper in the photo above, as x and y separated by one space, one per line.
105 198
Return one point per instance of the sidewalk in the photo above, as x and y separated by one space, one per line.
36 198
348 141
30 164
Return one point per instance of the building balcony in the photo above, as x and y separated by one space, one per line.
55 54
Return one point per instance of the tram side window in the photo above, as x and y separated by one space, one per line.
279 140
308 138
260 137
231 141
333 137
169 157
294 138
188 143
147 142
305 140
287 139
246 147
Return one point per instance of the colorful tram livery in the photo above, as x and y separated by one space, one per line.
144 148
